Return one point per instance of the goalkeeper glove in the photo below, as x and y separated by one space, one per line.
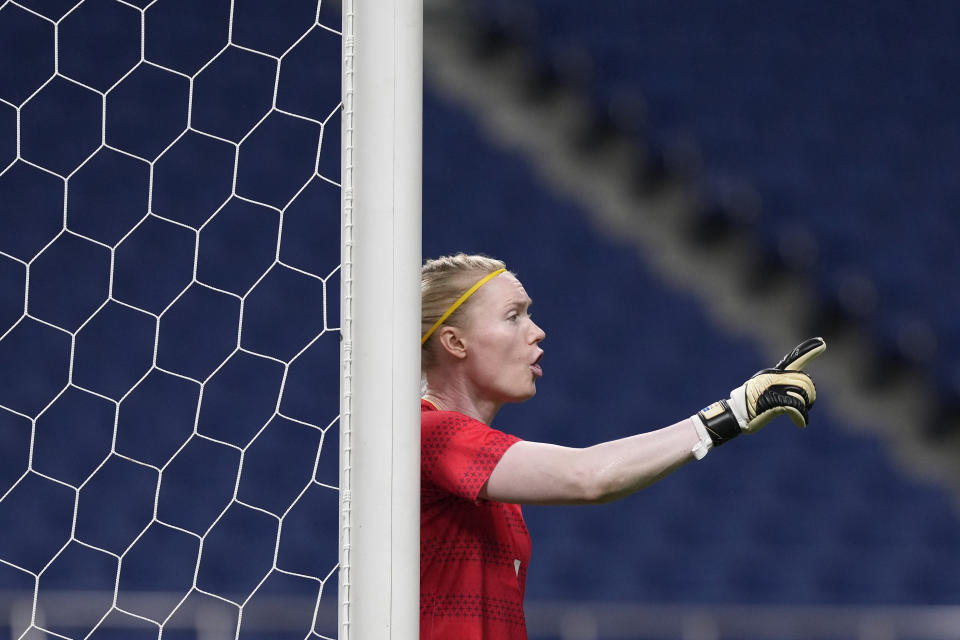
784 389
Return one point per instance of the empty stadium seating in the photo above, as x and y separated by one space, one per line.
842 119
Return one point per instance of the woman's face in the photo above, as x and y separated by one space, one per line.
503 342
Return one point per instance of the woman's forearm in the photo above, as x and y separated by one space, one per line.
539 473
621 467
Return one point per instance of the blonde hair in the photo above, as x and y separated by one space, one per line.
442 281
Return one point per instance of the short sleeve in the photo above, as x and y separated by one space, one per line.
458 453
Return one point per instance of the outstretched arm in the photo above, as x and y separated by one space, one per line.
538 473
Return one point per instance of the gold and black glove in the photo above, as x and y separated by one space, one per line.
783 390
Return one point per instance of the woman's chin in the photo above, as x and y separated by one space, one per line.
532 391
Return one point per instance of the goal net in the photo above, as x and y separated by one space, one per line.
169 318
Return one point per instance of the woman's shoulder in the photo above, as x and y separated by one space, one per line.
431 417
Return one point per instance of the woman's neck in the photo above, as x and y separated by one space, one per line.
450 399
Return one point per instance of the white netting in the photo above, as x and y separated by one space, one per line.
169 310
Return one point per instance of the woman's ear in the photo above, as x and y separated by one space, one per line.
451 341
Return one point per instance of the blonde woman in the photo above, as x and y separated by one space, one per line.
480 350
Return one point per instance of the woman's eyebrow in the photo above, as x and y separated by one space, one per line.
525 303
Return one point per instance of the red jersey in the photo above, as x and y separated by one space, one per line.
473 553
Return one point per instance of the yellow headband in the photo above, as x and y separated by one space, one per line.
456 305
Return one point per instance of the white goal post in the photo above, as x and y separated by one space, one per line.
380 307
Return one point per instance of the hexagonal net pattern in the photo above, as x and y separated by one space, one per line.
169 311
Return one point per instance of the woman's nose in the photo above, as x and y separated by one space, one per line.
538 333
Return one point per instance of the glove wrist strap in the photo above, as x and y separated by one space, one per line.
720 422
704 442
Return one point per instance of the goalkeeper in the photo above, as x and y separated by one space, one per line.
480 349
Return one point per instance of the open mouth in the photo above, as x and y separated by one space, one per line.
537 369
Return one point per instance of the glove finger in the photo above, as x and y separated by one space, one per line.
800 381
811 389
798 411
796 417
769 378
780 398
802 354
